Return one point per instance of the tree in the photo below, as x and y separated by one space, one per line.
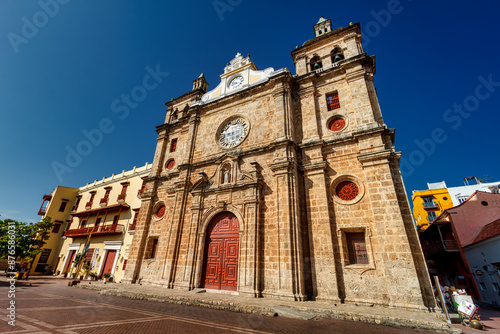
29 239
18 232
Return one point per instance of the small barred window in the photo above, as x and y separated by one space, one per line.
332 101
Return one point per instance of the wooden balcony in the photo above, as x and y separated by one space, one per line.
430 205
43 207
121 198
103 201
438 247
96 231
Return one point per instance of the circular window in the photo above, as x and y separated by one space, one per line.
160 212
484 203
347 190
445 198
170 164
336 124
233 133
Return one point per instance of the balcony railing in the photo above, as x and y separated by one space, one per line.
430 205
438 247
96 231
103 201
430 219
121 198
43 207
88 205
450 245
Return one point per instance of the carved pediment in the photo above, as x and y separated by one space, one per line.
229 174
200 184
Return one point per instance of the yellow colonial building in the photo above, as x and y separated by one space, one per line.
103 216
430 203
57 205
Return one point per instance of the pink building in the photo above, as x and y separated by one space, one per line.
447 241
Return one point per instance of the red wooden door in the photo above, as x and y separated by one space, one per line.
71 256
220 266
108 263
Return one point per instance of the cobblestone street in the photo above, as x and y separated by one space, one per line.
48 305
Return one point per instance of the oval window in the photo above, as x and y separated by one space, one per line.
170 164
161 211
336 124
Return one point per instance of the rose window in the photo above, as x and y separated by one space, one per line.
347 190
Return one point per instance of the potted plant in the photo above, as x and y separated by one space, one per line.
107 277
86 270
93 276
76 264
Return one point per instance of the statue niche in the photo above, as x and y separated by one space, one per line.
225 174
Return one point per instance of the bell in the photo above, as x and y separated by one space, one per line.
316 66
337 58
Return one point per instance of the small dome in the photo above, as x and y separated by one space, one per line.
321 19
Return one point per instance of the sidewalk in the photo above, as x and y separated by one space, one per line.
271 307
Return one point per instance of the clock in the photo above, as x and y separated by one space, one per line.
236 82
233 133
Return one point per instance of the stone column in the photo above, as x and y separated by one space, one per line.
161 146
321 235
400 271
138 245
283 113
193 251
181 190
364 99
311 127
287 217
249 272
139 242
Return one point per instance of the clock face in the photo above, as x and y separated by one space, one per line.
236 82
233 133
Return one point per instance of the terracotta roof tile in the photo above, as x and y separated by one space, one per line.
488 231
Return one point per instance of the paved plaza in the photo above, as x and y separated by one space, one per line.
49 305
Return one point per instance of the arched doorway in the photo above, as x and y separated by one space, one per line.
220 263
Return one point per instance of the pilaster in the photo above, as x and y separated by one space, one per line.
310 118
395 250
287 215
283 115
321 235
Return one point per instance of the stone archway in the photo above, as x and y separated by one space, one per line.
220 261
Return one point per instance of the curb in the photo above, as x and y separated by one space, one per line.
270 311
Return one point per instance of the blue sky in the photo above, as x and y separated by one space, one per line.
67 67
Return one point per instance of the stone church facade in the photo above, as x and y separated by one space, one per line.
283 186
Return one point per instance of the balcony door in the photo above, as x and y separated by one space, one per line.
109 261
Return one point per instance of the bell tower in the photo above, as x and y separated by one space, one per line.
200 83
323 26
